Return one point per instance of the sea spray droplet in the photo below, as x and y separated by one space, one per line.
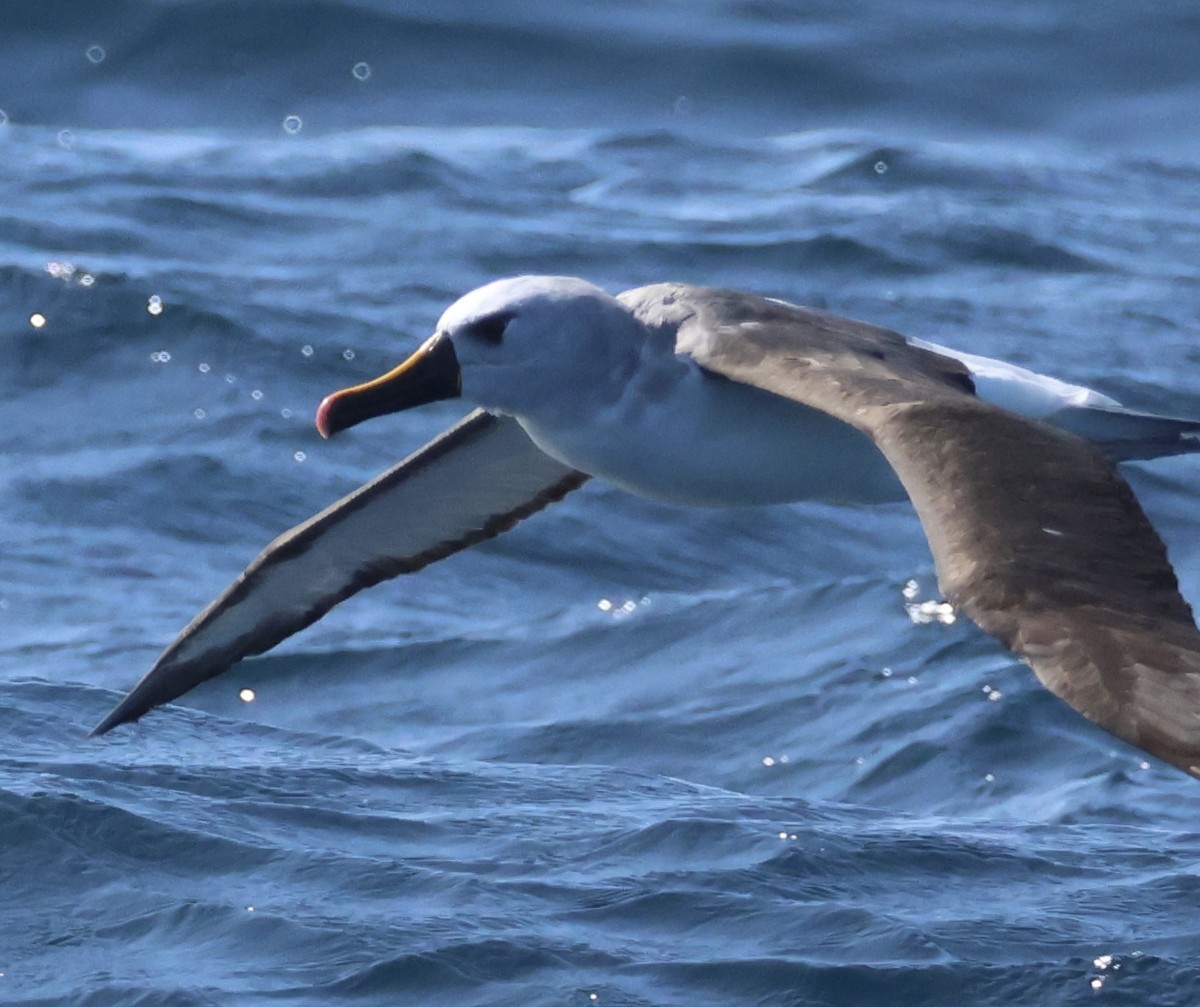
66 138
37 320
95 53
361 71
60 270
293 124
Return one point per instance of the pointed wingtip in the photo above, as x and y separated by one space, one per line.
106 725
123 713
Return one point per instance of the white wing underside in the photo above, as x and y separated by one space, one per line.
473 482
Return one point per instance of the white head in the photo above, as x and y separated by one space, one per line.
519 340
529 346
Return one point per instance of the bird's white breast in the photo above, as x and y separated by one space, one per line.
685 436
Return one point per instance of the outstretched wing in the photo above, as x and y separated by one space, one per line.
1034 533
473 482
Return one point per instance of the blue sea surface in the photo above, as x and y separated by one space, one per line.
626 754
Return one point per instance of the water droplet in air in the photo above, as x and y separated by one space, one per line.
203 368
66 138
293 124
299 456
199 413
37 320
306 350
285 413
881 167
256 394
348 354
246 695
154 305
3 117
95 53
361 70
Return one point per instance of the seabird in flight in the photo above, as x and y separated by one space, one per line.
716 397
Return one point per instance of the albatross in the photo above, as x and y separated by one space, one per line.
715 397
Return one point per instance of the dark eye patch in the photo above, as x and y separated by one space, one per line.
490 328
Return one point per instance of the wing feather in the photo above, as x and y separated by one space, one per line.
473 482
1034 533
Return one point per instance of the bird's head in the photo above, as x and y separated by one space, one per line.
521 346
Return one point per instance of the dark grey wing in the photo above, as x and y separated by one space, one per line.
473 482
1034 533
699 321
1042 543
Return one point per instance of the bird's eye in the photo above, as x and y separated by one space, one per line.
490 328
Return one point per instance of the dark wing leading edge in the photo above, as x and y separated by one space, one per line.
476 480
1034 534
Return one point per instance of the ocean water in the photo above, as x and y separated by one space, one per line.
625 754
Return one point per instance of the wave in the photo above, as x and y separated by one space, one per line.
749 67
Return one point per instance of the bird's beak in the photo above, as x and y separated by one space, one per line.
430 374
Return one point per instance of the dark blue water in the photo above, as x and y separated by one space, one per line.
626 754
